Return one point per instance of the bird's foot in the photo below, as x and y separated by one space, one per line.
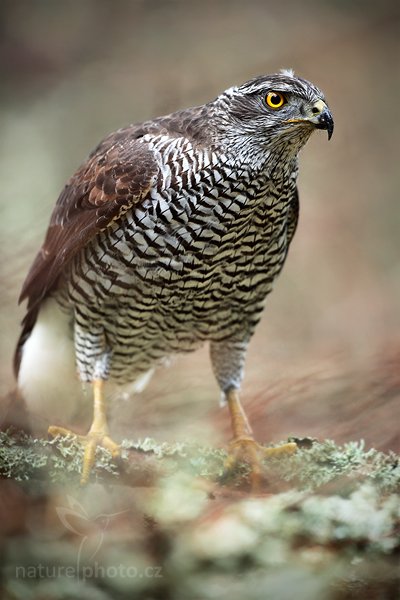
246 449
90 442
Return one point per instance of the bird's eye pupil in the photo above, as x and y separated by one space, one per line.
275 99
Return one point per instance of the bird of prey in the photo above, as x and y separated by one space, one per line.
169 235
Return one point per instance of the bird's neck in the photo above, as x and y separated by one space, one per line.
277 162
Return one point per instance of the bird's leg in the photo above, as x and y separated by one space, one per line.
243 446
98 432
227 359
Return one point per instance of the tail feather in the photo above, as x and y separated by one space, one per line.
27 325
45 364
45 368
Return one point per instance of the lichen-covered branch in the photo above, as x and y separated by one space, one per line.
325 524
24 458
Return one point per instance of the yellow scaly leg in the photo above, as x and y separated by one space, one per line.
243 447
97 435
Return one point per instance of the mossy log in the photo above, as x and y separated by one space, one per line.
325 524
24 458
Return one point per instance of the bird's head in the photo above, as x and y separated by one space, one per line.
272 110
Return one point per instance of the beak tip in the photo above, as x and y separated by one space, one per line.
325 121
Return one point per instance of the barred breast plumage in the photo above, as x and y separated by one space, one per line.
173 232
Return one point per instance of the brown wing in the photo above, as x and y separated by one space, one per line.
117 175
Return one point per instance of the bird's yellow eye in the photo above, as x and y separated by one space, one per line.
275 99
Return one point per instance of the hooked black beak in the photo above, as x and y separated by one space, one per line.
325 121
322 117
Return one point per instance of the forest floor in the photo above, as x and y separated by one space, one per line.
166 522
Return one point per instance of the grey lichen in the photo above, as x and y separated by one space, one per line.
326 461
24 458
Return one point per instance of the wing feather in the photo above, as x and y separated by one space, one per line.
116 176
101 191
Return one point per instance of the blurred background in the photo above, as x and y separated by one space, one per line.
324 360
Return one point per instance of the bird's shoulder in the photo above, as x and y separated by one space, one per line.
193 124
